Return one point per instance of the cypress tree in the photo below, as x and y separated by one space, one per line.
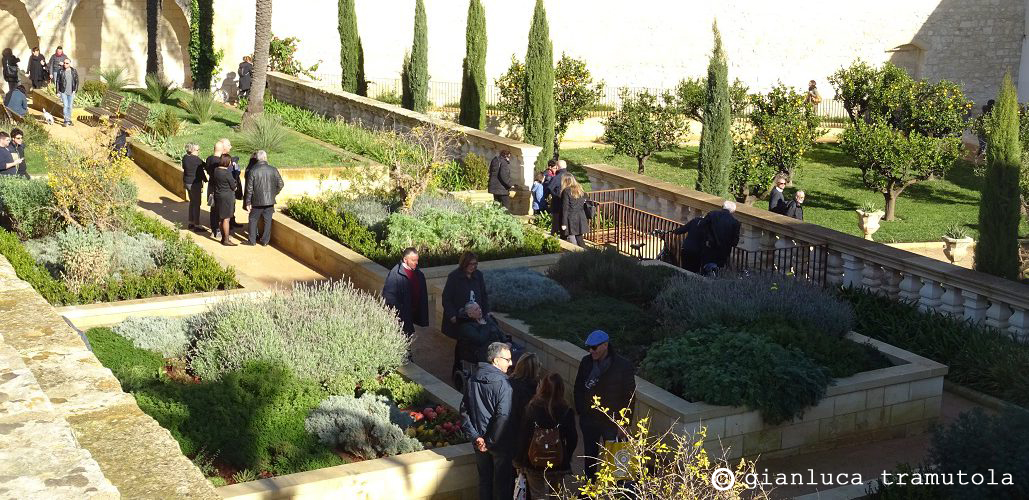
416 68
362 82
194 40
715 139
473 81
997 250
205 56
349 47
538 118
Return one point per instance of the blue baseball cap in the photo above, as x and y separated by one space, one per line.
596 338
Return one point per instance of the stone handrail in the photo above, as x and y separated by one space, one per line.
372 113
852 261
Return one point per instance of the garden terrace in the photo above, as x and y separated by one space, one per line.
852 261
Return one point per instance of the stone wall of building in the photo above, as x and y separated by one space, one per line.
653 43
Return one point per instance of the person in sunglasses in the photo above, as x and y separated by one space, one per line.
606 375
777 199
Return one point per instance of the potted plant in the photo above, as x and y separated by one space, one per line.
956 242
868 218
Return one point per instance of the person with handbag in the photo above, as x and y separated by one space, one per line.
606 375
224 194
546 436
574 222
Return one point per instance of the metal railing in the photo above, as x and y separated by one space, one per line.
626 196
635 232
807 262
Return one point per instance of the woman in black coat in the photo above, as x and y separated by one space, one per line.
246 76
37 69
194 175
224 189
546 410
464 284
574 223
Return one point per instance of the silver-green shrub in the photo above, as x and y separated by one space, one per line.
86 255
520 288
438 202
360 426
482 226
26 203
368 211
323 332
736 301
167 336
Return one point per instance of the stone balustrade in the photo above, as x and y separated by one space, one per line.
375 114
852 261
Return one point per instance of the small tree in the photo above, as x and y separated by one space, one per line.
282 54
691 95
350 47
511 92
538 118
643 127
997 250
91 187
473 80
414 158
784 128
716 138
416 65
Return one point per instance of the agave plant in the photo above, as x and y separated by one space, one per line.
158 89
114 78
200 106
264 131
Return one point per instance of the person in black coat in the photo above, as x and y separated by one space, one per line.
474 335
692 245
574 222
194 175
777 202
464 284
552 187
10 69
246 76
405 291
38 73
500 184
485 411
17 146
547 410
610 377
795 208
723 234
224 189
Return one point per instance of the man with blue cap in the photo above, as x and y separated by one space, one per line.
604 374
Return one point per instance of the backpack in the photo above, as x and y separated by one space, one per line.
546 446
589 207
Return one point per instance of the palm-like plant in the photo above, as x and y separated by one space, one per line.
200 106
158 90
114 78
262 39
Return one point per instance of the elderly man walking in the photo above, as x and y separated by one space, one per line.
263 184
608 376
406 292
485 410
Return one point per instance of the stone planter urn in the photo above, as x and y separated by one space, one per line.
868 222
956 248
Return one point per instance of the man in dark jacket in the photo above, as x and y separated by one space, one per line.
500 184
777 202
692 245
723 234
406 292
610 377
263 184
67 82
795 208
18 147
552 187
485 409
57 62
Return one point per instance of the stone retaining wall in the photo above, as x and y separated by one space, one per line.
69 430
897 401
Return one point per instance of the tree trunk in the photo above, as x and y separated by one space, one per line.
262 38
639 161
154 65
557 146
891 204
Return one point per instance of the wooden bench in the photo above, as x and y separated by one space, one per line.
11 116
136 117
109 107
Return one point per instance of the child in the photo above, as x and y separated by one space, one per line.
538 203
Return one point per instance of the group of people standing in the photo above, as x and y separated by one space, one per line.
777 201
261 184
12 153
40 72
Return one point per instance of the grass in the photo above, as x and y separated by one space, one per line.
299 152
37 143
833 186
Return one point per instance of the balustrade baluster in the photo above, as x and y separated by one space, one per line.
891 282
953 301
910 287
997 315
852 270
871 276
975 306
750 238
1018 324
834 269
931 293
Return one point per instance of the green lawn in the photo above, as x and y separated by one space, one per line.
37 143
833 187
296 151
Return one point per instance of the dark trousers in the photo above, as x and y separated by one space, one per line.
592 437
215 221
496 475
255 216
555 225
505 201
195 193
576 239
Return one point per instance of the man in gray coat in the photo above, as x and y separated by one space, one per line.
485 410
263 184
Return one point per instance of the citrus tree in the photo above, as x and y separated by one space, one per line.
644 126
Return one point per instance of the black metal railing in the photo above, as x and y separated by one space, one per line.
806 262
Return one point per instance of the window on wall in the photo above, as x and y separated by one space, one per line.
910 57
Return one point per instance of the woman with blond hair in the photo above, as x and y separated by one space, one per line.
574 222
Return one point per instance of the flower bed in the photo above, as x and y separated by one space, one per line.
767 343
288 402
440 227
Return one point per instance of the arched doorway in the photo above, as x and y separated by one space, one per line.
175 43
16 29
85 36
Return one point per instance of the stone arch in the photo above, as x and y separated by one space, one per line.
910 57
85 34
175 42
18 29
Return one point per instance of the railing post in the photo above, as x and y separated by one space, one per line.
953 301
871 276
750 238
851 270
910 287
1018 324
930 295
974 306
997 315
834 269
891 282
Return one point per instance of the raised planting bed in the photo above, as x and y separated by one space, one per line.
289 404
440 227
768 365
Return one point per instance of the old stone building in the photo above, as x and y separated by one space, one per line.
653 43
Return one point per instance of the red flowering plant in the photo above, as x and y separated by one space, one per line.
436 427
